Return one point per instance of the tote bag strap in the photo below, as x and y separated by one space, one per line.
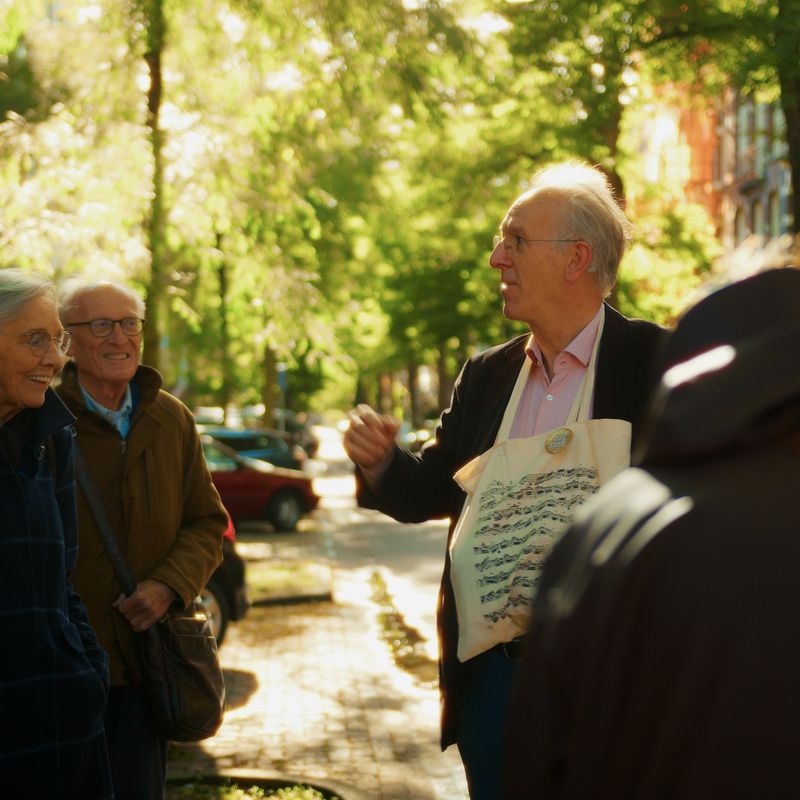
583 399
513 403
121 567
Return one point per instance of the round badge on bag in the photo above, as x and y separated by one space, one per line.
557 440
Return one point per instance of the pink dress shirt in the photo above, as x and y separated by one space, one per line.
545 403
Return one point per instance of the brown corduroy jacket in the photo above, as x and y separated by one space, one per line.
160 500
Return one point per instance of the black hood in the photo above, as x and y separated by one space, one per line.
745 388
735 314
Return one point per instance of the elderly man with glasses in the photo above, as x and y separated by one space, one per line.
144 456
534 427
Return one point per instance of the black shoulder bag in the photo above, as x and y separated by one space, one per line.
181 676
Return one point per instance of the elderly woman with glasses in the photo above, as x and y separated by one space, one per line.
53 672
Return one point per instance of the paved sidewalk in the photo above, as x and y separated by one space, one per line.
315 694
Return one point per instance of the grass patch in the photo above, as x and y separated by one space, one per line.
232 791
265 623
269 578
406 643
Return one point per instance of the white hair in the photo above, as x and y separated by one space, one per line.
591 213
72 292
18 287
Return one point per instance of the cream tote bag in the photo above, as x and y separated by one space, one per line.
521 496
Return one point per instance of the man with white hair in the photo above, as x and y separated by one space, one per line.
144 455
505 465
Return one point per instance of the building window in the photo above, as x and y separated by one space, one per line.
779 146
758 226
774 215
745 137
761 138
740 226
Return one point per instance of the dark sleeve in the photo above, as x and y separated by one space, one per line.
64 479
419 486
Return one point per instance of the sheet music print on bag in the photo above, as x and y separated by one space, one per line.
517 525
520 496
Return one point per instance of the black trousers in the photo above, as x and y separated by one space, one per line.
138 752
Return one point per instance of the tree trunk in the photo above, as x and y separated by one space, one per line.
788 45
611 136
226 392
361 393
156 30
445 380
271 390
385 400
413 394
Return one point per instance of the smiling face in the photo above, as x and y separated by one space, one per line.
532 278
105 365
25 376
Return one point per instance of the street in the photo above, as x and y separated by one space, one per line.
324 692
409 557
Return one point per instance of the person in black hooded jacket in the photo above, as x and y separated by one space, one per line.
662 661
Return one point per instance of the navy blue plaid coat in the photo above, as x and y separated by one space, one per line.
53 673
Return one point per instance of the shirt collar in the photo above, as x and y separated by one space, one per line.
119 419
580 347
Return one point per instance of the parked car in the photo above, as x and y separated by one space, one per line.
225 596
298 426
265 444
254 490
414 439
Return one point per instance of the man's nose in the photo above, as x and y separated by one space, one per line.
499 257
116 334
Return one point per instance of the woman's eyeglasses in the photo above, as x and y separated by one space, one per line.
41 342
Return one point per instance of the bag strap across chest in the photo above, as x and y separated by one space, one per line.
121 568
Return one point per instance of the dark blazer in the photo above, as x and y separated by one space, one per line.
419 487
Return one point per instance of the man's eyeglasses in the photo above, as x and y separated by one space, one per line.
103 328
41 342
515 244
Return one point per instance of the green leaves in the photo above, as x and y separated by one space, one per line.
326 175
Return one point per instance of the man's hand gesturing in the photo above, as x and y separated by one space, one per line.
369 439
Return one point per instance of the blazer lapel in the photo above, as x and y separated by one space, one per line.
609 379
500 382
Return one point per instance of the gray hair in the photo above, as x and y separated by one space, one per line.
754 255
592 214
18 287
73 290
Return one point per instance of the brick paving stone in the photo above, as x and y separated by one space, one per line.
320 698
314 693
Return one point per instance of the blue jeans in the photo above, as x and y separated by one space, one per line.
483 711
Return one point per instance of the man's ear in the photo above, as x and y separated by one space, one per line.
580 258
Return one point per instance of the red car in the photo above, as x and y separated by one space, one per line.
255 490
225 596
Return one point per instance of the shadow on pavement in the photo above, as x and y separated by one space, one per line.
239 687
